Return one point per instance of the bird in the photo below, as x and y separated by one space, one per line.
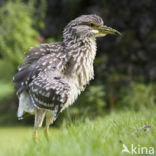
54 74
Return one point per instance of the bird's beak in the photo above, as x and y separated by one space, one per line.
108 30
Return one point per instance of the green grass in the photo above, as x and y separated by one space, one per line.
103 136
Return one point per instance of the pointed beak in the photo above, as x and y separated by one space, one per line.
108 30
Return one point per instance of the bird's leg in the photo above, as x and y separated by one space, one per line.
39 116
49 120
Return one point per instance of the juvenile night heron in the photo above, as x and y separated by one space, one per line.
54 74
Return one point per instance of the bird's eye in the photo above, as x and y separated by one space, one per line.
91 24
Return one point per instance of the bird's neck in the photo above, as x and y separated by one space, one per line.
81 54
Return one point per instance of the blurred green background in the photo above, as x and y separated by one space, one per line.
125 68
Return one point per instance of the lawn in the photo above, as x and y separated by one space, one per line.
103 136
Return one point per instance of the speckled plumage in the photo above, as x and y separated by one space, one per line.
54 74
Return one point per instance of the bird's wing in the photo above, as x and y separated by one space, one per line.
41 75
35 53
49 90
36 60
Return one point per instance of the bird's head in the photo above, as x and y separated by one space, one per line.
88 26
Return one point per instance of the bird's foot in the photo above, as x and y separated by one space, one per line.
35 137
46 132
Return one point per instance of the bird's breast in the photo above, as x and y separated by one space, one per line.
80 70
78 82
